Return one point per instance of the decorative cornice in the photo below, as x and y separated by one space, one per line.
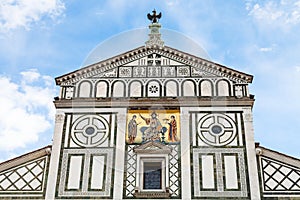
155 102
152 148
102 66
168 52
152 195
204 65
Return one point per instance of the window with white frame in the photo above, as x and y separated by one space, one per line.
152 172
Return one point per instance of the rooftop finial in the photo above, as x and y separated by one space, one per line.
154 17
154 35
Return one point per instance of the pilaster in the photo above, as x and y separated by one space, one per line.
251 154
185 155
54 161
120 152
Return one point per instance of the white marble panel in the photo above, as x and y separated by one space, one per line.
101 89
97 173
231 179
223 88
75 167
207 162
171 89
85 89
188 88
118 89
206 88
136 89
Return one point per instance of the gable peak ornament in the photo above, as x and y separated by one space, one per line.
154 35
154 17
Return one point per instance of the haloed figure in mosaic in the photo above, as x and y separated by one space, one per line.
172 136
155 128
132 129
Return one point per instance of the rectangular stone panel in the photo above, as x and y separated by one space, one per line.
219 172
231 178
86 173
75 170
97 172
207 172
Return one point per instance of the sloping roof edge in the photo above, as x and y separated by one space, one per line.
25 158
263 151
134 54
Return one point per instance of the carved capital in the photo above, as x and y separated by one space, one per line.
185 117
59 118
121 118
248 117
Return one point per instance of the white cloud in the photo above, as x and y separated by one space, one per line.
30 75
275 12
26 108
265 49
23 13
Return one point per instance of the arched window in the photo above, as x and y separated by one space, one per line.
135 89
206 88
153 89
85 89
102 89
223 88
118 89
188 88
171 89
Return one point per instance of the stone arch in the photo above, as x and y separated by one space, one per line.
102 88
153 88
188 88
118 89
84 89
135 89
223 88
206 88
171 88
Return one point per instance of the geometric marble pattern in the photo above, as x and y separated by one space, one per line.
85 189
220 189
130 165
279 177
130 173
26 178
216 129
90 130
174 171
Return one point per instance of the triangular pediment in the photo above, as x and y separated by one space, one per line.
153 148
154 62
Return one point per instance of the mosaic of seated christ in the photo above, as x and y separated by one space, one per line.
153 125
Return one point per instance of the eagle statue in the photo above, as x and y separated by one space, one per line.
154 17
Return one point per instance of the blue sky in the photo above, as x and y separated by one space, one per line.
43 39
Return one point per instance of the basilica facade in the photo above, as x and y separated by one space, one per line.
153 123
